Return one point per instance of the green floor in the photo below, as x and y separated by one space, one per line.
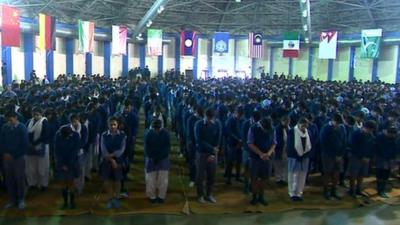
378 215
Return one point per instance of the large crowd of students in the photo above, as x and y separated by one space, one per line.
255 128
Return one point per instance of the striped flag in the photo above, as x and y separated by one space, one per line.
291 45
86 36
154 42
47 32
119 36
10 30
256 47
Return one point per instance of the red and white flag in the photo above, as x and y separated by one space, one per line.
256 47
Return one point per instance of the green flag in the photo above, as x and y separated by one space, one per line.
370 43
154 42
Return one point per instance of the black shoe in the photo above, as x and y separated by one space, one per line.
281 183
262 200
153 201
352 193
72 200
228 182
327 195
254 200
87 179
65 198
360 193
293 198
160 200
240 180
335 195
44 189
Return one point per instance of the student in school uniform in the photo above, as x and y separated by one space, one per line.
361 151
157 146
130 122
333 144
67 146
113 143
191 142
207 134
386 151
93 138
254 118
262 141
37 159
81 129
280 155
299 149
234 145
14 143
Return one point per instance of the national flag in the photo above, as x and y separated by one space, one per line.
10 30
291 45
370 43
154 42
188 42
119 36
328 45
47 32
256 47
221 42
86 36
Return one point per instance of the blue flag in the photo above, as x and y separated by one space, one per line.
221 42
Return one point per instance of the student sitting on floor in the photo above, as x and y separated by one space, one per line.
112 148
299 148
157 147
362 144
67 147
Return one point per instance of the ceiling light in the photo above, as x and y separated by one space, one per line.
305 13
306 40
161 9
305 27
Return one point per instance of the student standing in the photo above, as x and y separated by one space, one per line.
14 145
191 143
299 148
387 149
157 146
37 159
208 137
67 146
113 143
333 144
234 145
280 156
361 151
262 141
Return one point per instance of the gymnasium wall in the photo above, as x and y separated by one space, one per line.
233 63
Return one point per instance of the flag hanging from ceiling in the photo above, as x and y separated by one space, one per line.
328 45
370 43
154 42
86 36
256 47
291 45
119 36
47 32
221 40
188 43
10 30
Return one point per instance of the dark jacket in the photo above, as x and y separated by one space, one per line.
14 140
157 145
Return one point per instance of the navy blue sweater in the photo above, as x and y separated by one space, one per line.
386 148
14 140
362 144
233 132
264 140
333 141
207 136
66 149
157 145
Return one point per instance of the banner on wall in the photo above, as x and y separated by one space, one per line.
119 37
221 42
47 32
10 30
328 45
370 43
86 36
256 47
291 45
188 43
154 42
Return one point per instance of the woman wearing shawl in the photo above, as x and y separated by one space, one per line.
299 147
